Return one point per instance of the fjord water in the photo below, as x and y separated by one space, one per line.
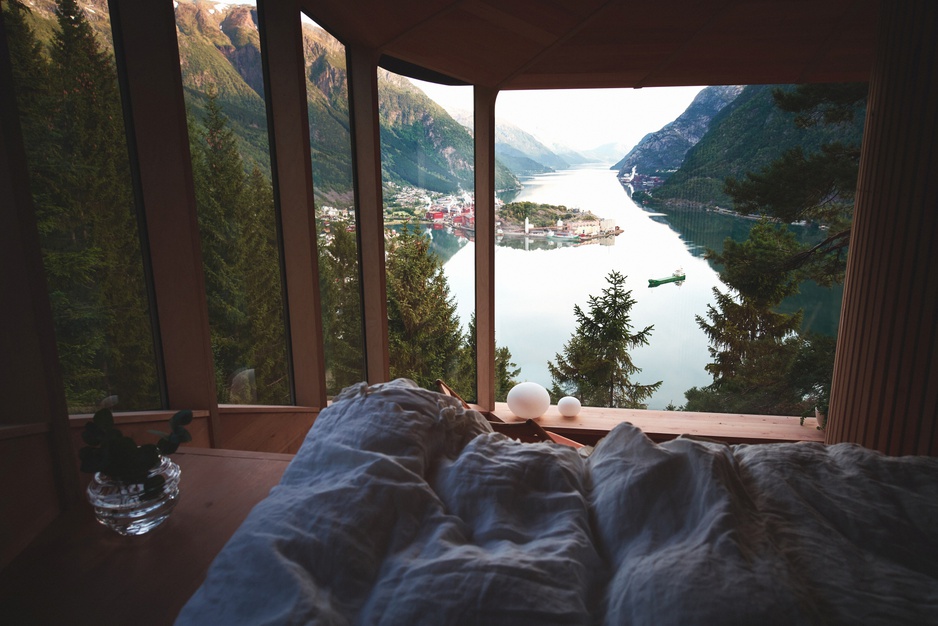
537 288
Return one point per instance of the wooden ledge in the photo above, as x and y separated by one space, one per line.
593 423
79 572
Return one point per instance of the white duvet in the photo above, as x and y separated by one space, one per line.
403 508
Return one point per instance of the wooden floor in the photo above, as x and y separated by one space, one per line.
79 572
592 423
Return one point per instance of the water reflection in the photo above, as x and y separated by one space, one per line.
537 283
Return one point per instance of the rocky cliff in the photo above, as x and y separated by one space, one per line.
663 151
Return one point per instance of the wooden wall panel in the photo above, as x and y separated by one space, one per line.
31 382
282 41
366 157
484 124
269 429
26 506
886 374
151 86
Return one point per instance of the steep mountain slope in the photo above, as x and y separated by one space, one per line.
745 136
523 153
520 151
220 54
663 151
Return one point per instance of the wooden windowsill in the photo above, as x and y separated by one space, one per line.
592 423
133 417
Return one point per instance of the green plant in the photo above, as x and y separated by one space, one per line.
119 457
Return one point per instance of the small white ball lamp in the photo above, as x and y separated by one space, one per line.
528 400
568 406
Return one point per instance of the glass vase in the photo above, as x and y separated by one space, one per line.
122 506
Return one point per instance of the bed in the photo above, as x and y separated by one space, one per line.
403 507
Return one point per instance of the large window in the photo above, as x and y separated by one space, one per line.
70 111
333 189
220 56
698 264
429 212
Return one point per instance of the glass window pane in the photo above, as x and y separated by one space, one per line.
220 56
746 328
428 186
331 149
70 110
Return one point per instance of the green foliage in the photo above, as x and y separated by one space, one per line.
822 103
757 266
423 328
71 118
760 363
465 382
752 131
810 374
241 262
540 215
341 305
119 457
259 268
596 366
817 187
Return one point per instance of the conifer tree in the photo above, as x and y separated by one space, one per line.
760 361
79 174
218 174
423 328
259 267
596 366
817 188
464 378
341 305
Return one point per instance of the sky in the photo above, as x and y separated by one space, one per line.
581 119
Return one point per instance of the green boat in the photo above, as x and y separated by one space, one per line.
677 277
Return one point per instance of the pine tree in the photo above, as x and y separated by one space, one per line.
753 347
259 267
218 174
596 366
818 187
341 305
79 173
760 363
464 378
423 328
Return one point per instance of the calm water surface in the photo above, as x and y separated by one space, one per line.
536 288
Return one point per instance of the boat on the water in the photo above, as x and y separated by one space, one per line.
564 236
677 277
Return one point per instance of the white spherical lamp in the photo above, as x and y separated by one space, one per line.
528 400
568 406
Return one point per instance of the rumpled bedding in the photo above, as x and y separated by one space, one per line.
402 507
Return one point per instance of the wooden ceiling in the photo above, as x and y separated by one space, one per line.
548 44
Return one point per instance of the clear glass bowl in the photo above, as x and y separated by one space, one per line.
121 507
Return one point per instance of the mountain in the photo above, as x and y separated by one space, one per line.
605 153
746 136
219 47
524 154
663 151
519 150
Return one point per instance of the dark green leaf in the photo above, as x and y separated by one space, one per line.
92 434
104 419
181 418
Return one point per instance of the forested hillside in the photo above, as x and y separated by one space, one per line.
220 55
69 105
746 136
661 152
